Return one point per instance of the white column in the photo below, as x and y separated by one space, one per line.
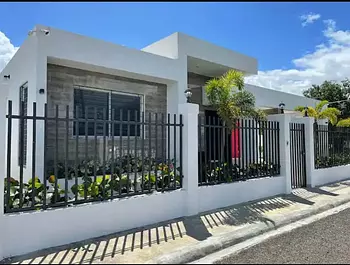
284 135
175 99
41 100
3 110
190 155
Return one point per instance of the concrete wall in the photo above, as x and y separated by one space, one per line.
210 52
167 47
266 97
223 195
68 225
329 175
180 45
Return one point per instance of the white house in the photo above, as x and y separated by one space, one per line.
56 67
63 70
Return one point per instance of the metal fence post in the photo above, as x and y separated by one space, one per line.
190 156
284 144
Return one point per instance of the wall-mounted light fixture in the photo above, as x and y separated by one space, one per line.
41 91
281 107
7 76
188 94
305 113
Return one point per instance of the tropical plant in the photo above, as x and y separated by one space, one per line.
224 173
228 96
156 176
319 113
344 123
231 101
119 165
332 161
32 190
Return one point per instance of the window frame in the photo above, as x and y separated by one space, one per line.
110 92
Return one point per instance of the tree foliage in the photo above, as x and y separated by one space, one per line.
228 96
332 91
319 112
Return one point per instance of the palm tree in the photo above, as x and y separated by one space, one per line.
329 113
231 101
344 123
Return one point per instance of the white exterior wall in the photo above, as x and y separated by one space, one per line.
22 68
329 175
212 197
265 97
167 47
270 98
68 225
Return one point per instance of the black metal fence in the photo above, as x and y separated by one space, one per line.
331 146
248 150
81 164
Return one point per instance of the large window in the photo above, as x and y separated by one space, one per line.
99 104
23 110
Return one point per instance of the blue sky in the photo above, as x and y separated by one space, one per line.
271 32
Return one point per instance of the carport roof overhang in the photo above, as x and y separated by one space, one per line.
212 60
210 69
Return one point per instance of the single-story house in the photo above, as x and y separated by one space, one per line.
61 68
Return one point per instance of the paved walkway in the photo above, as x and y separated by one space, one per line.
142 245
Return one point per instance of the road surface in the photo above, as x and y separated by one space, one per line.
324 241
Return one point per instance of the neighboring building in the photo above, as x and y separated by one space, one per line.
62 68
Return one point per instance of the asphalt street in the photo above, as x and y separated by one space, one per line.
324 241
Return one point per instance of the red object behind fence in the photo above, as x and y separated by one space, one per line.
235 140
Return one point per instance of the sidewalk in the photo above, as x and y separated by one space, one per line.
186 239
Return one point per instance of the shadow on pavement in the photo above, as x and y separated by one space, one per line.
322 192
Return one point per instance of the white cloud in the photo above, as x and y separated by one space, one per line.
329 61
7 50
309 18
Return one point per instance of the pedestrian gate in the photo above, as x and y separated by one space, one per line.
297 155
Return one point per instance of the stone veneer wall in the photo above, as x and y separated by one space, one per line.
61 81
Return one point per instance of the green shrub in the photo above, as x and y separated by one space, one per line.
221 172
333 160
32 189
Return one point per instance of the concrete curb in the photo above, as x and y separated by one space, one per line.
216 243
